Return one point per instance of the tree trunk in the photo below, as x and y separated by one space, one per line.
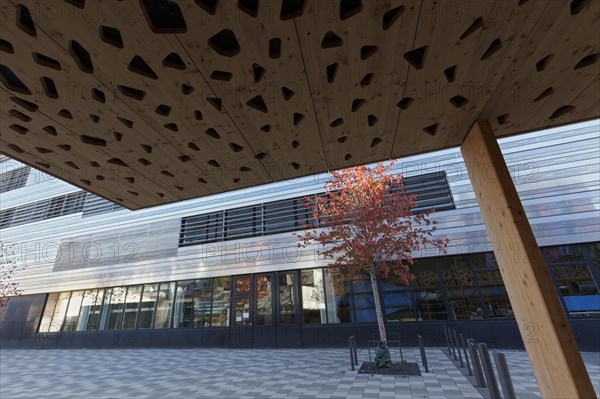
378 310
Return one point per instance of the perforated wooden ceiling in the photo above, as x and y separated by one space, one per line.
150 102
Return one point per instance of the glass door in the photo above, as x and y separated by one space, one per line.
264 332
242 315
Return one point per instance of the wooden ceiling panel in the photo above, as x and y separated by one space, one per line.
151 102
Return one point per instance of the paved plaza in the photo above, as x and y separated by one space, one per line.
239 373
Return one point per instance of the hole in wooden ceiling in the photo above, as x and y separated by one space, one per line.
349 8
577 6
337 122
24 20
51 130
132 193
201 180
94 164
212 133
295 165
342 139
46 61
476 25
245 169
171 126
49 87
367 51
64 147
173 60
117 161
130 92
97 141
416 57
126 122
100 177
28 105
72 164
141 67
432 129
163 110
257 72
287 93
371 120
19 129
81 56
65 113
221 75
331 71
225 43
144 161
562 110
587 61
118 136
193 146
210 6
77 3
250 7
86 182
357 103
130 179
266 128
331 40
257 103
458 101
111 36
544 94
295 144
260 155
502 119
184 158
187 89
18 149
367 79
348 157
163 16
94 118
215 102
235 147
495 46
450 73
391 16
236 180
275 47
375 141
6 46
198 115
214 163
298 118
291 9
11 81
19 115
543 63
98 95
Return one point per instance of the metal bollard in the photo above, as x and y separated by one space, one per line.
351 352
488 369
508 390
453 344
355 354
476 365
423 355
464 346
458 349
447 340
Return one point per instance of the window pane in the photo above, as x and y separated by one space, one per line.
88 302
48 311
287 298
563 253
183 315
202 302
94 320
147 306
264 305
60 310
578 289
115 308
462 291
485 260
398 300
132 304
242 284
73 311
364 307
494 295
164 305
338 297
104 312
221 302
313 297
242 312
427 292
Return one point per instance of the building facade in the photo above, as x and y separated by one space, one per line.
225 270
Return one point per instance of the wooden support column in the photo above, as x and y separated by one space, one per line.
549 341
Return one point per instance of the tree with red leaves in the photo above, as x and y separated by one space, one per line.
8 287
370 228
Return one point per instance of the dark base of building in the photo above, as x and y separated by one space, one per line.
496 333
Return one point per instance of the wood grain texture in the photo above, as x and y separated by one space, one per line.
234 97
548 339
